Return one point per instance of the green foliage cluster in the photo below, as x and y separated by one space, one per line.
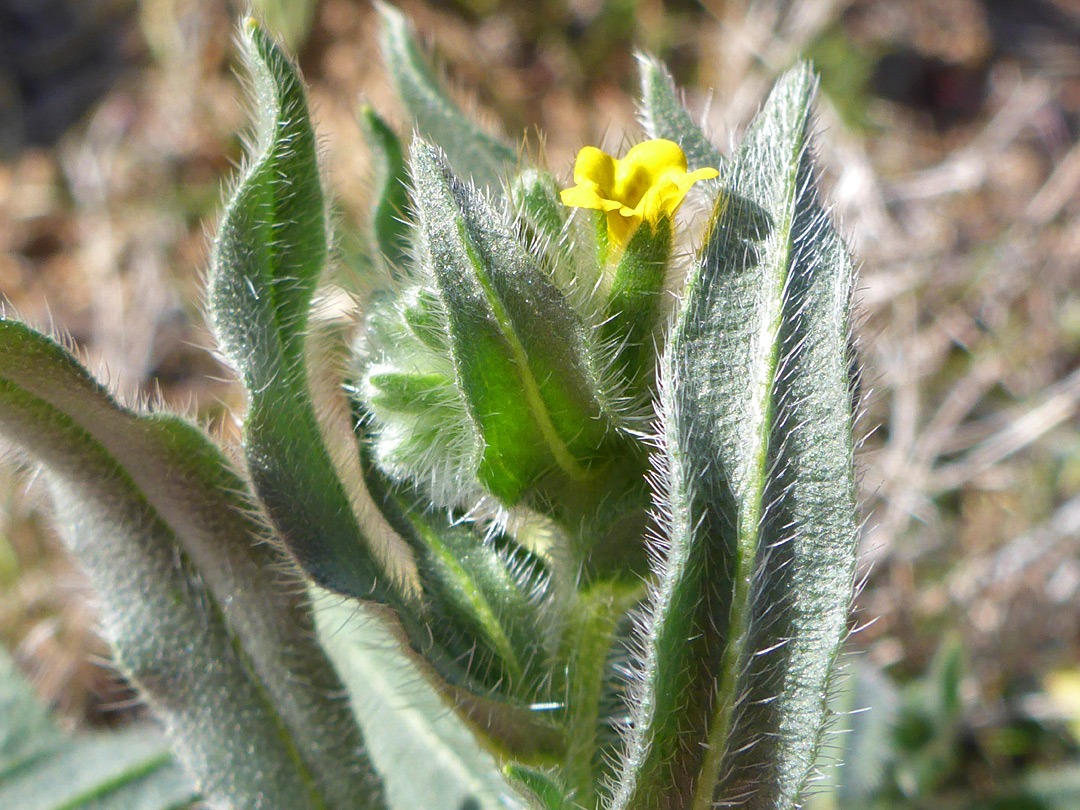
604 513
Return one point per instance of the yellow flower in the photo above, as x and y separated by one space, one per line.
647 184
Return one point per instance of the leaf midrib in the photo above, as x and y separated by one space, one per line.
477 600
533 398
751 507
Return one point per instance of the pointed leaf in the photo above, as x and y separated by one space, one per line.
484 612
269 253
192 596
758 491
487 622
664 116
390 211
473 153
518 348
487 599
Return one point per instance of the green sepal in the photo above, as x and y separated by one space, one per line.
426 318
757 492
633 306
518 347
390 209
472 152
664 116
190 590
536 199
267 258
420 428
548 231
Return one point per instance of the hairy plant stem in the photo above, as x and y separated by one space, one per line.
589 641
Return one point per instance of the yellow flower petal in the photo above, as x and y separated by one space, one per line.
595 166
585 195
657 156
662 200
707 173
621 225
649 183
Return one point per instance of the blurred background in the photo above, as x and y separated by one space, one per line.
950 144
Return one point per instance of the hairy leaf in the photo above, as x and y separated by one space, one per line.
757 492
165 532
269 253
473 153
518 348
389 215
664 116
486 621
542 788
430 757
43 769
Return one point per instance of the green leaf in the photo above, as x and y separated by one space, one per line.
490 594
543 789
192 595
757 492
480 627
519 350
26 732
390 212
486 621
42 769
430 759
129 770
270 250
664 116
473 153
